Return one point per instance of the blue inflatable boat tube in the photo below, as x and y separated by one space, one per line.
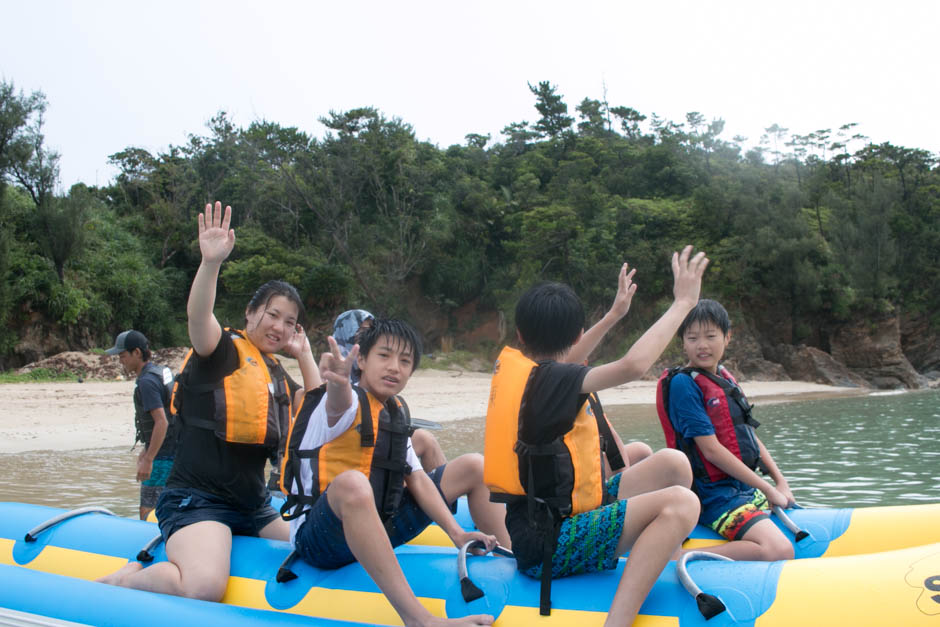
50 575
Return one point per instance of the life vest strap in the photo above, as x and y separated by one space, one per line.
293 505
367 437
397 428
201 423
608 442
387 464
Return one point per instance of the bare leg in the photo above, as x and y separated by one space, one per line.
762 542
637 451
655 524
277 529
350 497
197 566
428 449
464 476
664 468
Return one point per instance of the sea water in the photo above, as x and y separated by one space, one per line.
838 452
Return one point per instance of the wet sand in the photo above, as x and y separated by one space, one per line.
97 414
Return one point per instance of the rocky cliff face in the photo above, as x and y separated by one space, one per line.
872 350
920 344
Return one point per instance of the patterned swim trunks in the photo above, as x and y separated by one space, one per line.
588 541
734 523
160 472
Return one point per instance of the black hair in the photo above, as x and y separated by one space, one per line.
549 318
269 290
398 329
707 311
145 354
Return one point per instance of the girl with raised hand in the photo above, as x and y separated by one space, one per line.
234 406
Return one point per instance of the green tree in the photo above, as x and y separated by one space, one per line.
555 119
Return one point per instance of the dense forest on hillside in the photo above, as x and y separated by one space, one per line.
804 231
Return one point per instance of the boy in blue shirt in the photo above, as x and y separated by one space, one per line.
704 414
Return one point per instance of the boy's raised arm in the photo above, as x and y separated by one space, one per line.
687 271
621 305
335 369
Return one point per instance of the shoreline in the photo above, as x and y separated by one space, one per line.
64 416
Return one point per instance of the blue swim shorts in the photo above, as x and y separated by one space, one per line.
320 539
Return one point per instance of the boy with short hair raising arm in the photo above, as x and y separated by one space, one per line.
543 451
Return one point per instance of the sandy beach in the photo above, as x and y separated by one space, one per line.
97 414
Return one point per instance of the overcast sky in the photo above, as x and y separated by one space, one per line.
124 73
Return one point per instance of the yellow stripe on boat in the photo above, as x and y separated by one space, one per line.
513 615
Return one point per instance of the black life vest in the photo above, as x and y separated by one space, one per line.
729 412
557 480
143 420
376 444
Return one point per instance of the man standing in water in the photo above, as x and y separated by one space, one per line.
152 419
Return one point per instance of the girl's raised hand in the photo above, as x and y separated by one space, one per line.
298 343
216 238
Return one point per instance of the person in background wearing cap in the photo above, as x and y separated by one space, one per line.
345 329
152 418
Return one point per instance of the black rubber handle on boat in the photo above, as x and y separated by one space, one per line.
469 590
284 573
708 605
144 555
791 526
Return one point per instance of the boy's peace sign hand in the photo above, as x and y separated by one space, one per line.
334 368
687 275
216 238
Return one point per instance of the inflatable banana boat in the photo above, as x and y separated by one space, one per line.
48 557
826 532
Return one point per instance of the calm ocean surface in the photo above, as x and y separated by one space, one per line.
843 452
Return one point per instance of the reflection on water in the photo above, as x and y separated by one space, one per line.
103 477
844 452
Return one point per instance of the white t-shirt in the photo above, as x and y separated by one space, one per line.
319 433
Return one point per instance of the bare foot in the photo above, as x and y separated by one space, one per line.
117 577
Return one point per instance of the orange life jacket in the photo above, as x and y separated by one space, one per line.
376 444
252 404
509 463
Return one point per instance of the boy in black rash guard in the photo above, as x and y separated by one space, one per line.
152 419
543 451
